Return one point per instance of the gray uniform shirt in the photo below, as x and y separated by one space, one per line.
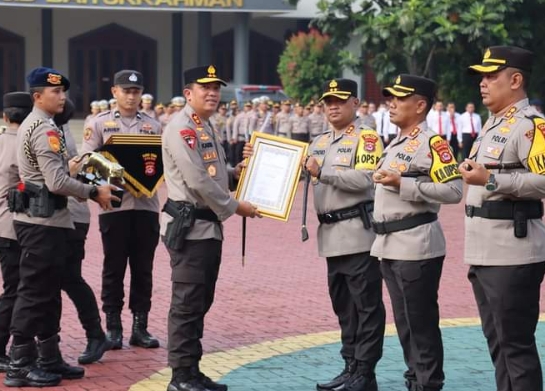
220 125
46 144
411 153
262 122
196 172
317 124
241 126
79 210
341 186
9 177
110 122
299 124
505 139
283 124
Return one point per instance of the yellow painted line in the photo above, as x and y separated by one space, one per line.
219 364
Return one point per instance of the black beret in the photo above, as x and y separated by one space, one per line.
66 115
202 75
406 85
496 58
340 88
18 99
47 77
129 79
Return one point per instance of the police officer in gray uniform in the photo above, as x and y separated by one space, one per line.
504 231
197 179
283 120
130 233
342 162
17 105
42 223
73 282
417 173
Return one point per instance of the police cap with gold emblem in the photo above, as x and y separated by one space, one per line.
17 99
202 75
47 77
128 78
407 85
496 58
340 88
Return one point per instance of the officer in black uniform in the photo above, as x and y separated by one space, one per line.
17 105
42 223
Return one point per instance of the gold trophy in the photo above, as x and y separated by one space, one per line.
97 170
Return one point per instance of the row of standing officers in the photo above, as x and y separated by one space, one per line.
378 220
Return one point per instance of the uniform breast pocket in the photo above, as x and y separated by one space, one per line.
493 150
342 162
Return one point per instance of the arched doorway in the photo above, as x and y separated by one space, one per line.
264 56
96 55
12 63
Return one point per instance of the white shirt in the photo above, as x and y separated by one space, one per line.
382 119
465 123
438 126
450 129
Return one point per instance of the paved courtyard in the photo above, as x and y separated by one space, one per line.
272 327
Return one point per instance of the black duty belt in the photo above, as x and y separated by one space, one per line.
206 214
506 210
61 202
387 227
343 214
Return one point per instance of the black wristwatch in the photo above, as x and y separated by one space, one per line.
93 193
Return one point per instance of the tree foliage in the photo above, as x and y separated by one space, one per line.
437 39
308 60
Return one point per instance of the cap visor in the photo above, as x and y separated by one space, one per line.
206 80
474 69
344 95
390 91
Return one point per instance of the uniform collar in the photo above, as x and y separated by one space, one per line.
117 115
514 108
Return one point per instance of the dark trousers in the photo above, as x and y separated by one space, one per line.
413 287
508 301
355 288
194 274
37 309
128 236
454 145
304 137
76 287
10 252
468 141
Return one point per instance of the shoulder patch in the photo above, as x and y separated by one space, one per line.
87 133
536 155
444 166
190 137
54 140
369 150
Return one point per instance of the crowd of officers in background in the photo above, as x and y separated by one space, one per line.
297 121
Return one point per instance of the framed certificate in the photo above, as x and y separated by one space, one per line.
270 179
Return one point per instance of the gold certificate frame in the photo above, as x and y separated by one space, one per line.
270 179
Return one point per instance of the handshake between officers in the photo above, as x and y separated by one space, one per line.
42 224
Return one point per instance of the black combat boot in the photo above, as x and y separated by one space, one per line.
363 379
207 383
114 330
50 360
23 372
140 336
184 379
4 363
341 378
95 349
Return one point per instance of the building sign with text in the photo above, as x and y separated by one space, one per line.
165 5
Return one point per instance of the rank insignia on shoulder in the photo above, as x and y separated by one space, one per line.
444 167
53 140
190 138
415 132
510 112
196 119
350 129
536 155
